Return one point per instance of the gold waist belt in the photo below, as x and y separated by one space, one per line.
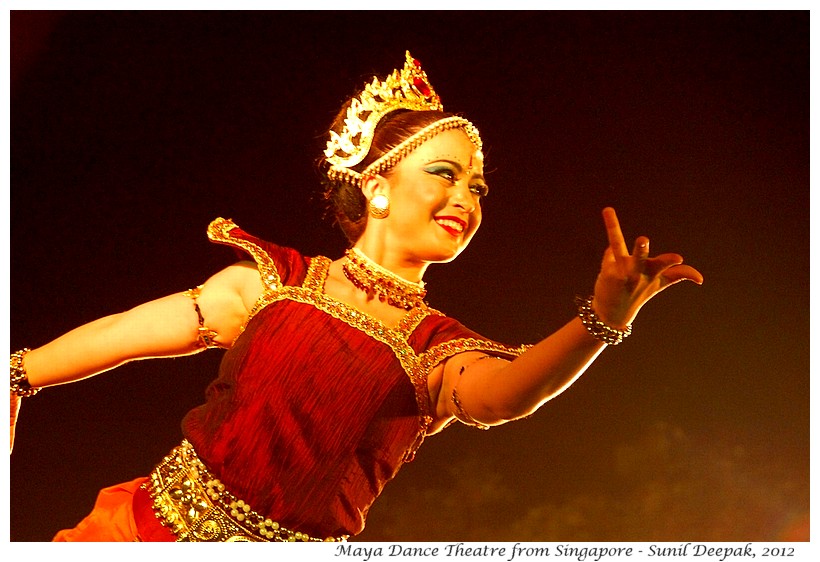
196 507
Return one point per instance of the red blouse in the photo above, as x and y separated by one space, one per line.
317 404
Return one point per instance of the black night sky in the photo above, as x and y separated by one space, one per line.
130 131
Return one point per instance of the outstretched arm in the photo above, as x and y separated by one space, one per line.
165 327
495 391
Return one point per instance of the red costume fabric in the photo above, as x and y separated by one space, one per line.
317 405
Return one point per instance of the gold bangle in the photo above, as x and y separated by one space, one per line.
597 328
19 384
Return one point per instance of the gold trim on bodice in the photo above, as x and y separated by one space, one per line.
220 231
311 292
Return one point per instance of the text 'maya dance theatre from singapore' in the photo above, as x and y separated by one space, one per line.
335 370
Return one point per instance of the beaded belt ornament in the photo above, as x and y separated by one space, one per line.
196 507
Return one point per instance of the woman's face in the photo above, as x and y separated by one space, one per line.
435 194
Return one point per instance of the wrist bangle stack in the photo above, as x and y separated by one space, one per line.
19 384
597 328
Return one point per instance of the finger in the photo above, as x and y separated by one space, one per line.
614 234
641 250
658 264
678 273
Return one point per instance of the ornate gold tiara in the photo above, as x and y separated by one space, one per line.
405 89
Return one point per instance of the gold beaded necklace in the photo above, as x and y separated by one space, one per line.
385 285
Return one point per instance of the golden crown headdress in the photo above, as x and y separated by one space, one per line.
407 88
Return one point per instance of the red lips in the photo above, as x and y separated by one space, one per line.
454 225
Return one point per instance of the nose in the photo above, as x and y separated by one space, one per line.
463 198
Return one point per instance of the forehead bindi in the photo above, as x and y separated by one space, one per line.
471 162
452 146
453 143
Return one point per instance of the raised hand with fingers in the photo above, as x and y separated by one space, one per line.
628 281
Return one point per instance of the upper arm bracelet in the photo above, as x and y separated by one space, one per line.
205 336
460 413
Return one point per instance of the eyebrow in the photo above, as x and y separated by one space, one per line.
456 164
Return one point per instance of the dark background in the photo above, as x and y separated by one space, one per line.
131 131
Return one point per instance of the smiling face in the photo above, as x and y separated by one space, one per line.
435 194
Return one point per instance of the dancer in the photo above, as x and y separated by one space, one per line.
335 371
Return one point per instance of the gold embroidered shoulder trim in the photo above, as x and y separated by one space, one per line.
310 292
220 231
316 274
442 351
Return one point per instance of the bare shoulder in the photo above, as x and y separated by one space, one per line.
242 279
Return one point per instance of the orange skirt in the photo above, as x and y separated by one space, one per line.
122 513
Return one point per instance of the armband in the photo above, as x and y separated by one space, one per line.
205 336
460 413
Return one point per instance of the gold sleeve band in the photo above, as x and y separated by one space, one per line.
205 336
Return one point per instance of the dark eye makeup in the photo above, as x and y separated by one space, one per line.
449 172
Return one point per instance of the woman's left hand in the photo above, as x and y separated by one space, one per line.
627 281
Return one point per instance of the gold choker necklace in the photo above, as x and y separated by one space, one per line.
388 287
